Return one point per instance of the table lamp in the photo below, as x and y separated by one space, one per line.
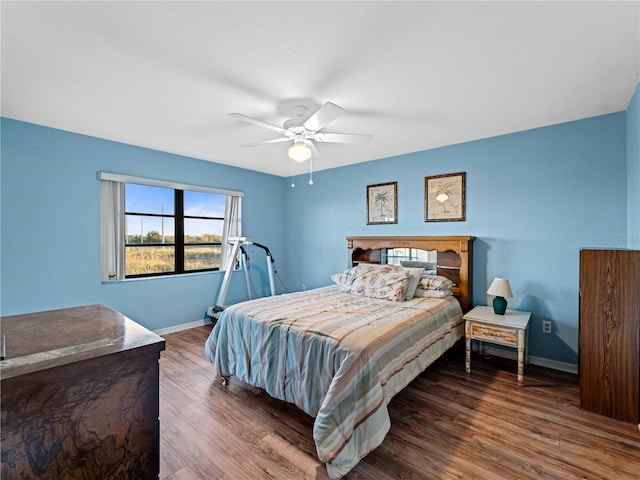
500 288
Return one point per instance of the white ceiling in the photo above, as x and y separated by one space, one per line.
416 75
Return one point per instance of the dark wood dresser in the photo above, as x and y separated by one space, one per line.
609 335
80 396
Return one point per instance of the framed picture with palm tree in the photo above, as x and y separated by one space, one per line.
382 203
444 197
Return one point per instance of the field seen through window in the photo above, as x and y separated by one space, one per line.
151 254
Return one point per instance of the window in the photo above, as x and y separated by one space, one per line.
171 231
153 228
396 255
203 225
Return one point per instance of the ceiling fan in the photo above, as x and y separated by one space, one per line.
303 130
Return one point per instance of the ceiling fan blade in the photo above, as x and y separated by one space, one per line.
325 114
259 123
342 137
265 142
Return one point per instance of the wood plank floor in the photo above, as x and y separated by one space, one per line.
445 425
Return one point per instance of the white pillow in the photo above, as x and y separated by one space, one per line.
418 264
416 274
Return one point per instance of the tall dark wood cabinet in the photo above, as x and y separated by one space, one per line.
609 333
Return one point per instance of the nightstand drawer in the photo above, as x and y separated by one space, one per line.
505 336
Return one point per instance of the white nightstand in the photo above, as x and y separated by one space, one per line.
510 329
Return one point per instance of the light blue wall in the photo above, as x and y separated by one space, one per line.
534 198
50 207
633 171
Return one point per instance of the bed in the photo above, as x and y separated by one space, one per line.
341 352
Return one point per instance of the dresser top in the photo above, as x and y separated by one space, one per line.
42 340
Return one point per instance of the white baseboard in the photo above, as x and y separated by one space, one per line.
540 361
182 326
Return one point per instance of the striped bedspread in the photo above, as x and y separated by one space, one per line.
339 357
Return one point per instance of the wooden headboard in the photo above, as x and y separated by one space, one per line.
455 257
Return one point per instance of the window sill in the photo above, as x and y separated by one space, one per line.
160 277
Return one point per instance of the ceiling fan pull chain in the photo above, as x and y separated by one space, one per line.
311 170
293 173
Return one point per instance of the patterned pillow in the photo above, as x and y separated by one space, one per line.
435 282
342 278
385 282
421 292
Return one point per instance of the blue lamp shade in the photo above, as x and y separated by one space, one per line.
500 288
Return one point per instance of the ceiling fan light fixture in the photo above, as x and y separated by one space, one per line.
305 130
299 152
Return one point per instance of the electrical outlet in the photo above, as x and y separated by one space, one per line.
304 287
546 326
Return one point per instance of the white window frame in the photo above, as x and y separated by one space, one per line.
113 239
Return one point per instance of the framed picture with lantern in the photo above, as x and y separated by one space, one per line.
444 197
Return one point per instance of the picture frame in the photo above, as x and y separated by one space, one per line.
382 203
444 197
